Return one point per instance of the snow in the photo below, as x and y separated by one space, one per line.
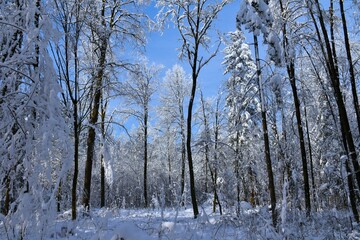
147 224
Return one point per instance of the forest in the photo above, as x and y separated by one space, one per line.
98 141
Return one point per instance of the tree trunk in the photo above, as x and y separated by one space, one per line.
188 143
183 154
351 66
93 120
102 164
76 162
344 122
310 155
7 196
334 76
352 195
290 67
103 44
206 142
58 200
76 134
216 145
266 137
237 171
301 138
145 156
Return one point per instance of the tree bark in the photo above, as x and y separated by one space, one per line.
102 163
93 120
145 155
290 67
188 145
183 156
334 76
266 137
351 66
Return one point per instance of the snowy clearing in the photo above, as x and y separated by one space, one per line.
134 224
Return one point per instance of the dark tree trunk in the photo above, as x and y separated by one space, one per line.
266 137
59 198
188 145
98 81
290 67
205 142
102 164
344 121
76 162
183 154
213 172
145 156
7 196
351 66
291 72
352 195
334 76
93 120
237 172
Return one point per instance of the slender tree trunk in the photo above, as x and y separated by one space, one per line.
351 66
188 142
352 195
214 173
266 137
344 122
183 153
76 126
206 142
334 76
237 173
58 200
301 138
102 164
290 66
194 75
145 155
76 161
350 181
7 196
310 154
169 162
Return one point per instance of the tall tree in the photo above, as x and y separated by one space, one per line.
193 20
350 64
107 20
328 51
70 19
176 88
33 129
242 100
138 90
257 18
289 58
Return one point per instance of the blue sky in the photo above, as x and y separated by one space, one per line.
162 49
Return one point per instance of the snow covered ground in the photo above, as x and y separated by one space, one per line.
138 224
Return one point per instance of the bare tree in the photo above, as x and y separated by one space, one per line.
193 20
138 90
176 88
70 18
107 20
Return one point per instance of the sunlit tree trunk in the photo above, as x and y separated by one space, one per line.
98 82
102 163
